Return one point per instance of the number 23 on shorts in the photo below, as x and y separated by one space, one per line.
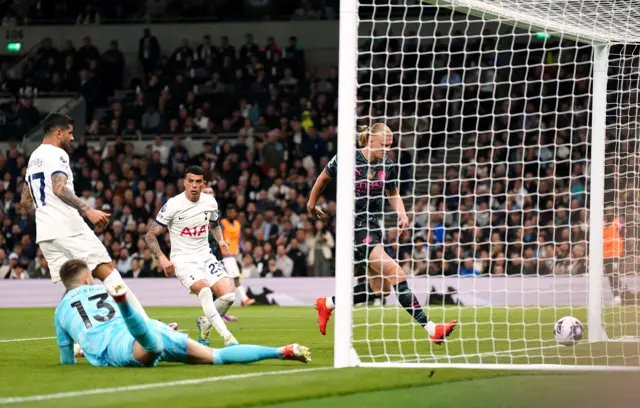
214 269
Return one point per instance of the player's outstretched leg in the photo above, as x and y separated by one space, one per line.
244 298
137 325
382 266
248 353
362 293
197 353
212 317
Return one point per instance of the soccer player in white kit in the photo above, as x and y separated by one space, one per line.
61 232
188 216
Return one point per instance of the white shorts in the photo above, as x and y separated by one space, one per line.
85 246
210 270
231 266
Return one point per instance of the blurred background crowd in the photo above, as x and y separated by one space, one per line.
492 143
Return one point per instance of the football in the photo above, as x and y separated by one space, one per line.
568 331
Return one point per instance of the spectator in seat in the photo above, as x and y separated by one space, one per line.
283 262
271 270
16 269
273 151
181 54
38 269
4 265
271 49
321 246
27 113
294 54
248 50
124 263
114 62
225 49
299 259
88 51
161 148
205 50
148 52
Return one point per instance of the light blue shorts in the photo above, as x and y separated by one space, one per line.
119 352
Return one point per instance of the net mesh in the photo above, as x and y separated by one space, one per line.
493 145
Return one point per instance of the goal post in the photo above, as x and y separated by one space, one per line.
520 122
596 331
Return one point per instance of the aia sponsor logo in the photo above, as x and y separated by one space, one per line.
195 231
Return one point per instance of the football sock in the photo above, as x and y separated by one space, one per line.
224 303
242 292
362 293
115 279
244 353
410 303
139 328
210 311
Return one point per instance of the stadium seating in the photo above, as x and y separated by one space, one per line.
263 124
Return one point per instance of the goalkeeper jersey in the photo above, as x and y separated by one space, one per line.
88 316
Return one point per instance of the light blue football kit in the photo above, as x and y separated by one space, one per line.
89 316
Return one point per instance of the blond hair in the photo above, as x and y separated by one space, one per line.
365 132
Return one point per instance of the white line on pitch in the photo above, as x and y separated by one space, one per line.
29 339
195 381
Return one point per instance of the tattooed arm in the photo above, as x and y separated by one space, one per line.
26 200
151 238
98 218
216 231
60 189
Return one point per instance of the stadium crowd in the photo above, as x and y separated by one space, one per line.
120 11
513 203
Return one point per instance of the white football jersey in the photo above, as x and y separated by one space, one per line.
188 224
54 219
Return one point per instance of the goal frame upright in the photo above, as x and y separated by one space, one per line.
344 353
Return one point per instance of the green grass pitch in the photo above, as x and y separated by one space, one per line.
29 364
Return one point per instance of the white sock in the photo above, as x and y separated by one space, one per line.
430 328
329 303
210 311
114 279
242 292
224 303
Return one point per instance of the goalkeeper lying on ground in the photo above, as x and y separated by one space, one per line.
112 333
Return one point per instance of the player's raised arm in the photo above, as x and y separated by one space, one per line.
65 344
318 187
66 195
26 201
151 238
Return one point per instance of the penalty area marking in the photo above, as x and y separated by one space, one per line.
28 339
139 387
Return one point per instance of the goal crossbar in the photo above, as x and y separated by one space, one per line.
574 19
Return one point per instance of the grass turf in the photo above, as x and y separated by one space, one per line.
488 335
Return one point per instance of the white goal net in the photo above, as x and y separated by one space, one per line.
518 144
